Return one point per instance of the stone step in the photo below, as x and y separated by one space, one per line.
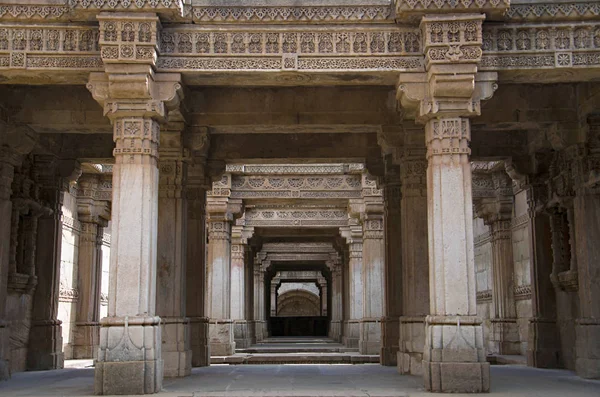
306 339
299 393
307 349
296 358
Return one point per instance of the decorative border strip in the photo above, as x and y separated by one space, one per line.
484 296
68 295
70 223
522 292
519 221
482 239
537 11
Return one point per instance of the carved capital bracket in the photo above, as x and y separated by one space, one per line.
452 86
92 205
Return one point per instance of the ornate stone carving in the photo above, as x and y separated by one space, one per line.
128 38
257 14
128 5
523 292
456 40
553 10
414 8
291 169
296 216
68 295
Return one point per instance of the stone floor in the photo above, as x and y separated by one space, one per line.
368 380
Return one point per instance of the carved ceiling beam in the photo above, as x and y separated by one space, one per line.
413 9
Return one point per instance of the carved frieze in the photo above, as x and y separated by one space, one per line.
292 169
290 216
552 10
412 8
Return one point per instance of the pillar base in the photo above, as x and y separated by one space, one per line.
221 337
45 346
335 330
351 334
389 339
543 347
370 336
129 358
86 340
199 341
587 364
505 336
454 359
412 345
242 334
259 331
176 352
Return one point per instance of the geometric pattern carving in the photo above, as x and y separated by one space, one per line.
286 216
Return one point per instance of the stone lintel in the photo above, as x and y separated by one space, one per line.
414 9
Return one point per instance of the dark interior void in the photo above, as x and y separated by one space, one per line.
299 326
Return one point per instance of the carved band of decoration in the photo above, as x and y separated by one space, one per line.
448 137
501 230
553 10
71 223
68 295
127 5
540 46
288 169
482 239
136 137
520 221
71 47
171 178
131 39
408 7
454 40
244 14
103 299
373 229
522 292
484 296
297 217
33 11
218 230
237 251
341 41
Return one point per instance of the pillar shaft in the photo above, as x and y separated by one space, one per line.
415 264
89 277
543 345
8 162
335 327
196 276
373 272
45 337
454 357
355 293
219 287
260 324
239 255
393 269
171 260
129 358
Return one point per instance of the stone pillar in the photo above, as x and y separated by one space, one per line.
415 256
171 256
260 324
137 100
45 337
239 256
273 301
94 216
454 357
373 274
322 282
497 213
442 98
393 266
196 266
543 345
587 229
355 286
218 277
13 144
335 326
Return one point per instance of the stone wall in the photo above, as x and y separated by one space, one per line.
69 293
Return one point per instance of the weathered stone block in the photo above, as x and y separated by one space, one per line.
453 377
129 377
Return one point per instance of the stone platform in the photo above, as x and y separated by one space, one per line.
308 350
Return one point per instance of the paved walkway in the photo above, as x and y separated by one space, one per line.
369 380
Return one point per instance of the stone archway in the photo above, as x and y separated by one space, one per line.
298 303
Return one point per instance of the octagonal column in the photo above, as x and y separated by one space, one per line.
260 323
335 326
373 272
239 257
454 356
93 215
171 260
218 271
355 287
